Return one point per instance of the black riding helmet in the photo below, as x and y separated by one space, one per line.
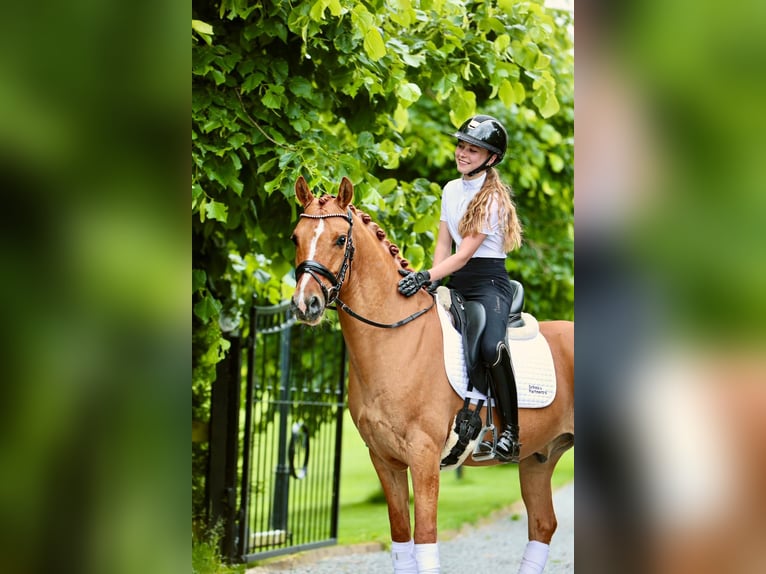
486 132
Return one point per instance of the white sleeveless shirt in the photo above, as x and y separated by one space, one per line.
456 196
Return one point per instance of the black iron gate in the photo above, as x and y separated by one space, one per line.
290 468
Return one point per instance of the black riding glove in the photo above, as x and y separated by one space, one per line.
412 282
431 286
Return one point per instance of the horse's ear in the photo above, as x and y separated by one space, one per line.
302 192
345 193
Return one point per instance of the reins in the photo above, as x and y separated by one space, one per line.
404 321
314 267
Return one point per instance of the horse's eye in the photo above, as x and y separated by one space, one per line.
294 239
341 241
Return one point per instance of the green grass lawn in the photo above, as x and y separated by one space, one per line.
478 493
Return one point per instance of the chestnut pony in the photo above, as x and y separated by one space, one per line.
398 393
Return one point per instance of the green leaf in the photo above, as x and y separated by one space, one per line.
301 125
218 76
207 308
413 60
520 92
317 10
401 119
202 27
416 255
197 191
557 164
373 44
549 134
501 43
543 61
387 186
335 7
210 125
237 141
462 104
199 278
217 210
237 186
409 92
388 152
270 186
507 95
252 81
467 71
546 102
273 98
300 87
266 166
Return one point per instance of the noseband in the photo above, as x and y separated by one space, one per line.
315 268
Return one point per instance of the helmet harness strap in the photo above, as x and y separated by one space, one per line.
482 167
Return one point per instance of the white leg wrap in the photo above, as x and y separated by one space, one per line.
534 559
427 556
403 557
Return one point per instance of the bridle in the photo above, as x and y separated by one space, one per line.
314 268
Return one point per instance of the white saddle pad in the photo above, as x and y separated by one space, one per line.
530 355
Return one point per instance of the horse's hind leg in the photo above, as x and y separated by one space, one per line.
535 474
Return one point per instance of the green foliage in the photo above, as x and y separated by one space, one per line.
327 88
208 347
206 557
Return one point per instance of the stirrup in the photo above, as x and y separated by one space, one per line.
513 455
481 454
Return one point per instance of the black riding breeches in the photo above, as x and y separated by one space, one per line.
486 281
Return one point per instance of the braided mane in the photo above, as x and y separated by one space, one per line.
379 233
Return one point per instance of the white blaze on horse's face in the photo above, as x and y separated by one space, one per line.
300 295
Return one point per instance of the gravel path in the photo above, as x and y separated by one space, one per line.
494 545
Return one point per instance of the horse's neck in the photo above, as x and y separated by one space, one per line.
370 288
371 291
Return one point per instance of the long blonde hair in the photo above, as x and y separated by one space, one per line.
475 216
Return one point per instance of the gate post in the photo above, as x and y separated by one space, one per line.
224 443
282 482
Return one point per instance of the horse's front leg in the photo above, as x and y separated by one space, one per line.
396 490
425 486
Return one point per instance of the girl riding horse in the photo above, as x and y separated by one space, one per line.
479 217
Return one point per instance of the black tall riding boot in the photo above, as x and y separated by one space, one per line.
504 387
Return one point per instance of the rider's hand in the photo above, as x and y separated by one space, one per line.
412 282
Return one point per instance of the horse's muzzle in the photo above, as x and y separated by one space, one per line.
308 309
